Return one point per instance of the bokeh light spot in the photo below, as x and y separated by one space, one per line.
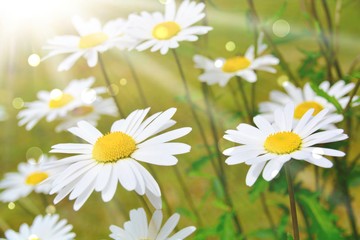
51 209
230 46
123 81
11 205
115 90
219 63
34 60
283 80
34 153
281 28
18 103
88 96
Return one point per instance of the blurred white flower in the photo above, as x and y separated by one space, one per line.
162 32
57 103
3 114
107 159
47 227
92 39
30 177
305 99
275 144
221 70
138 228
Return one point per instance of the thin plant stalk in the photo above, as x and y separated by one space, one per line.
136 80
188 196
205 90
268 214
273 46
243 95
294 219
109 86
202 132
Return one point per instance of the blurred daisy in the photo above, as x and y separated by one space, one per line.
221 70
275 144
3 114
305 99
88 112
164 31
58 103
43 228
30 177
106 159
138 228
92 39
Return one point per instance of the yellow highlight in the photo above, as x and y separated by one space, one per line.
235 64
11 205
33 237
166 30
36 178
60 100
113 147
282 143
303 107
92 40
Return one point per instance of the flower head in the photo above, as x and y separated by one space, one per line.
164 31
30 177
222 70
139 229
268 146
92 39
114 157
305 99
58 104
43 228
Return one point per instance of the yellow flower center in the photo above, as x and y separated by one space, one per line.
235 64
36 178
113 146
82 111
303 107
92 40
166 30
282 142
60 101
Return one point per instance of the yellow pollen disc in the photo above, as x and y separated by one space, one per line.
92 40
113 146
303 107
235 64
60 101
165 30
36 178
282 143
82 111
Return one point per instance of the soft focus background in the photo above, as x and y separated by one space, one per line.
25 26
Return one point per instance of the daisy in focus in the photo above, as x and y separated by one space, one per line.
30 177
267 147
88 112
221 70
48 227
305 99
92 39
107 159
138 228
59 103
164 31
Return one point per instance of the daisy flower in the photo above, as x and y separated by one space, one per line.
30 177
305 99
47 227
164 31
114 157
88 112
221 70
92 39
269 146
138 228
58 103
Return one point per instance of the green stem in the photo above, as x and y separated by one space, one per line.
292 202
137 81
222 176
243 94
268 215
109 86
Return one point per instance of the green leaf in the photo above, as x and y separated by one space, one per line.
197 165
186 212
322 221
325 95
225 228
259 187
218 188
354 177
278 14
